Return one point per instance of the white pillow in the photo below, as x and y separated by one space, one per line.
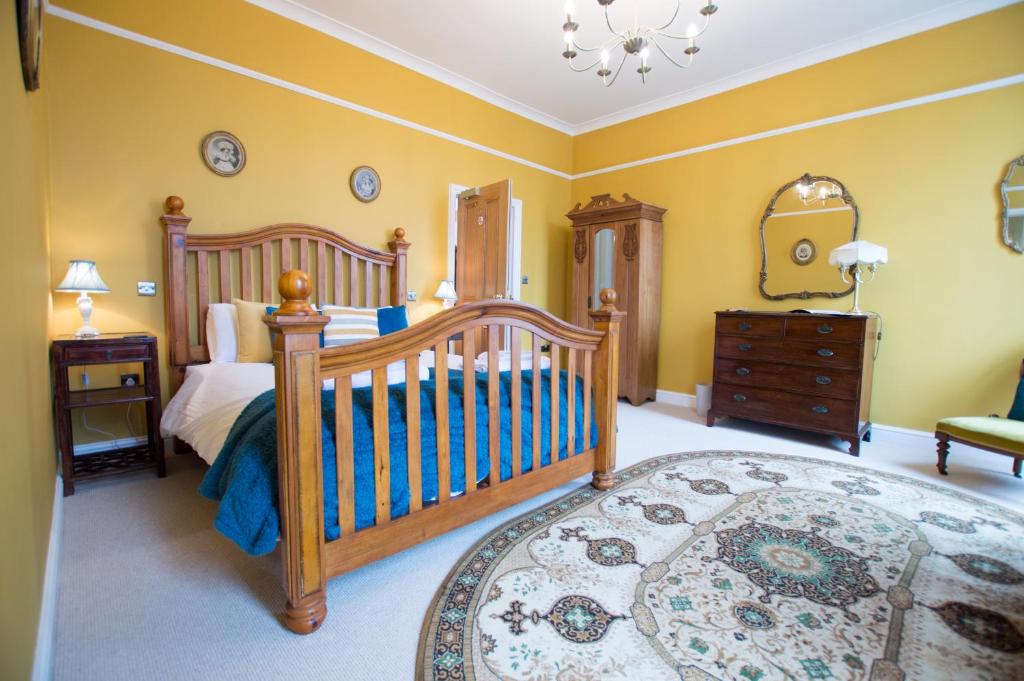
505 361
222 332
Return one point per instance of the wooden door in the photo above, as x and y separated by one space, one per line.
481 255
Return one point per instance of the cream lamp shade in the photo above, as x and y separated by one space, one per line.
853 259
446 292
83 278
858 253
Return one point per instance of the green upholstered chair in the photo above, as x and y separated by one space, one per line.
991 433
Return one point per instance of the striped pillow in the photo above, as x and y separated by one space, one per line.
349 324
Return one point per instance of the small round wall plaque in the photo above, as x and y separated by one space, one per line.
223 153
365 183
803 252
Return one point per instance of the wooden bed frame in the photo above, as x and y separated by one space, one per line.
301 366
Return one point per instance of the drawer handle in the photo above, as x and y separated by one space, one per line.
819 409
745 347
825 352
743 371
823 380
110 354
745 326
825 328
739 398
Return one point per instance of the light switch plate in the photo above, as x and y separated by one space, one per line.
525 279
147 288
411 296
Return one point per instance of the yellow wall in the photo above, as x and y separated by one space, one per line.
126 123
26 461
925 179
127 119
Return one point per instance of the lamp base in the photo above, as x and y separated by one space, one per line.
87 332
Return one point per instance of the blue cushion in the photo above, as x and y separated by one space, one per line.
271 309
1017 410
391 319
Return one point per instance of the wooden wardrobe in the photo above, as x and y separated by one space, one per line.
617 244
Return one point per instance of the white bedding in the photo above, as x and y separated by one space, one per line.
213 395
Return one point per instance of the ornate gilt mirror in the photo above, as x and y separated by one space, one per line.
1012 190
803 222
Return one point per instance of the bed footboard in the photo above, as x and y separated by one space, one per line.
308 559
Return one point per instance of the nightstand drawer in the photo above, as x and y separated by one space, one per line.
808 411
824 353
102 353
842 383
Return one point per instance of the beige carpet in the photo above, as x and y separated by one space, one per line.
149 590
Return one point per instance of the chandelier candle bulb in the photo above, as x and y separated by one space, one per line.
635 40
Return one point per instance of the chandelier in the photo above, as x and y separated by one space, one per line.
635 40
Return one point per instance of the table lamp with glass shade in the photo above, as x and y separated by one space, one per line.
853 260
446 293
83 278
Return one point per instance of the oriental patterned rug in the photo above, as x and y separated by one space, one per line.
738 565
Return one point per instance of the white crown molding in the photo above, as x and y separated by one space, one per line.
104 27
318 21
296 11
877 36
345 104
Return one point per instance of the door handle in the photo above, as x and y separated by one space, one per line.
825 352
819 409
743 371
822 380
739 397
745 326
825 328
745 347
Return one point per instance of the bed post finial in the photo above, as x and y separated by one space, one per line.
295 288
606 386
400 247
174 205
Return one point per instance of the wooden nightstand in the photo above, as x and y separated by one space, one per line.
106 349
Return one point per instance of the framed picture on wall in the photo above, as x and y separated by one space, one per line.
223 153
365 183
804 252
30 38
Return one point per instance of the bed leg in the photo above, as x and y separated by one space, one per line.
606 388
299 452
308 614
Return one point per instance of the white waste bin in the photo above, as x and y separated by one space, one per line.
703 399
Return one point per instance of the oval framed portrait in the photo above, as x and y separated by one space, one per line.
223 153
804 252
365 183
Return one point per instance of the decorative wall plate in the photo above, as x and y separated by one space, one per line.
365 183
223 153
30 37
804 252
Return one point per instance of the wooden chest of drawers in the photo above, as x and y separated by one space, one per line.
811 372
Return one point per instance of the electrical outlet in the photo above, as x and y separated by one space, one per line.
147 288
129 380
411 296
525 279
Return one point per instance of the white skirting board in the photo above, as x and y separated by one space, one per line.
42 665
690 401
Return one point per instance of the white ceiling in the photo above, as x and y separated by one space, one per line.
509 51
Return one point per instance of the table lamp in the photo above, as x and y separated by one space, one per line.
854 259
446 293
83 278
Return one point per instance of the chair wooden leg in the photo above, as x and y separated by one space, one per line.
1017 461
942 444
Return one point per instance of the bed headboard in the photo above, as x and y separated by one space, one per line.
200 269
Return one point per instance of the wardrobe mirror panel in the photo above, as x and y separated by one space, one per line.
804 221
604 264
